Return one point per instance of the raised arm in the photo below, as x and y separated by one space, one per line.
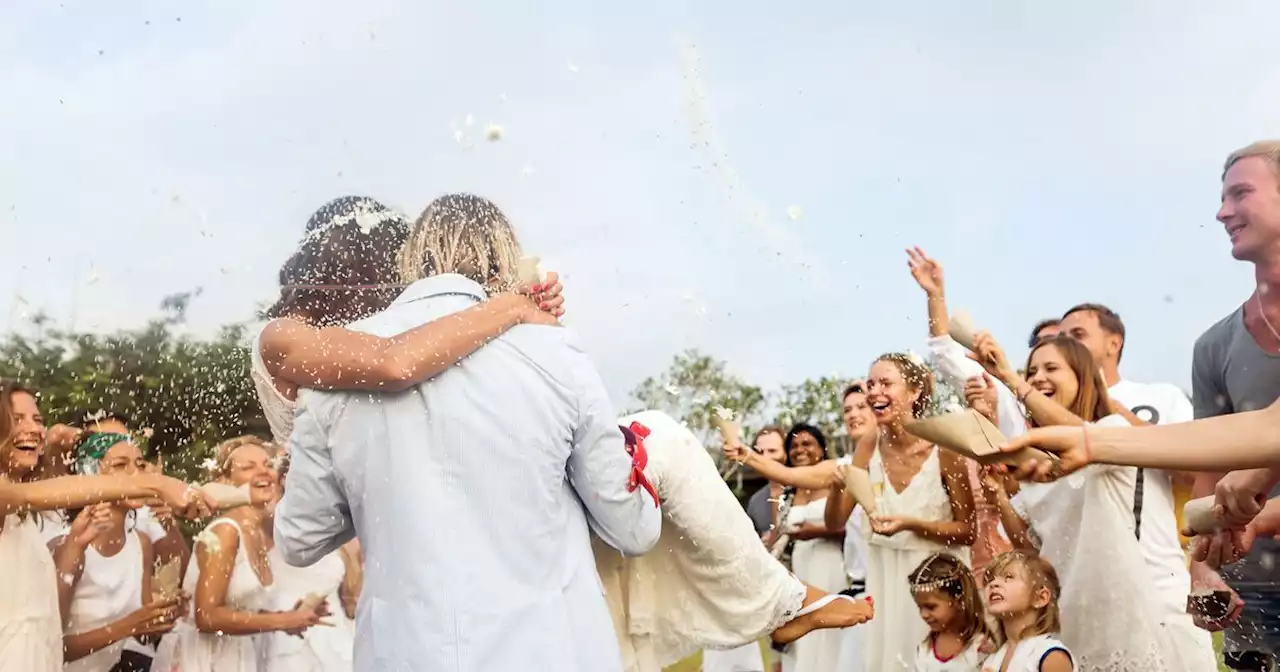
813 477
334 358
313 519
600 470
1043 410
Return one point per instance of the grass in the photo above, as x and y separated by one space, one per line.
694 663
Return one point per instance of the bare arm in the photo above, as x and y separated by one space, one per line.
68 562
814 477
74 492
334 358
352 580
1014 525
962 531
216 561
839 507
1224 443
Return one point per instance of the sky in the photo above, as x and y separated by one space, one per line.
738 177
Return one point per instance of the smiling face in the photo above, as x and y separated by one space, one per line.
937 610
22 451
251 464
805 450
1250 209
1051 375
123 458
888 394
857 415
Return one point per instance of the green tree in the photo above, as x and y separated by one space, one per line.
691 390
819 403
183 395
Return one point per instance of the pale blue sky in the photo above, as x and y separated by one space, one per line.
1047 153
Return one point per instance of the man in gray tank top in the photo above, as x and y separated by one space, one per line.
1236 368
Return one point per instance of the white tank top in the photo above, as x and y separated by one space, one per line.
1027 656
109 589
277 408
924 498
969 660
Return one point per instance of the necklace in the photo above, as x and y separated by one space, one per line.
1263 313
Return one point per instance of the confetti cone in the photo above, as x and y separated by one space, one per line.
1199 516
857 482
530 271
962 328
167 580
972 435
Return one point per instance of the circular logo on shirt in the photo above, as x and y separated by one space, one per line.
1147 414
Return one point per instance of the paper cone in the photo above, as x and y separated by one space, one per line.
529 271
972 435
962 329
227 496
167 580
730 430
311 601
1198 516
857 482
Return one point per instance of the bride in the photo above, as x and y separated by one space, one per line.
720 587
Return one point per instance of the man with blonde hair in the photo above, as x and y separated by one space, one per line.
473 493
1236 367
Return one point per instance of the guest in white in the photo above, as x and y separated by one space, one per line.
487 478
1100 329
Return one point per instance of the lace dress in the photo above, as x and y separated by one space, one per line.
1083 525
709 583
186 649
819 563
893 634
30 623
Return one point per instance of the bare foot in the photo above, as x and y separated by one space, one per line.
839 613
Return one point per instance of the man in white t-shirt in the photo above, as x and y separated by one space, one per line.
1100 329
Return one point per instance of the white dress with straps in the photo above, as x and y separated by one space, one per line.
30 620
896 630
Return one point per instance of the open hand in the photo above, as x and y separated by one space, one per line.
1203 578
889 525
1067 442
1223 547
926 271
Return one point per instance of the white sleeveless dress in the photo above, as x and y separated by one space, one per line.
322 648
277 408
30 620
892 636
1084 526
969 660
708 583
819 563
1029 653
186 649
109 589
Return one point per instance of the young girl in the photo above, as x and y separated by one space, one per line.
1022 595
951 605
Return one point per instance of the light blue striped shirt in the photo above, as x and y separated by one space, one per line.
472 495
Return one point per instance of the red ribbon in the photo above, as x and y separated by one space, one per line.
639 458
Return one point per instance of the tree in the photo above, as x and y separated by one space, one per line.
183 395
693 388
820 403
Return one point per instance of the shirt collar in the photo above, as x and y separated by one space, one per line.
441 285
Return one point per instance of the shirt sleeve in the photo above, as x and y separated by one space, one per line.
313 519
956 368
599 470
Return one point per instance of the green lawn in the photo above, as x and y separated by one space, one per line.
694 663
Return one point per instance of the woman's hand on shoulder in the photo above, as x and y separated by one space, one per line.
546 300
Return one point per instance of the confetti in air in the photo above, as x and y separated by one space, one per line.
493 133
672 390
795 212
724 413
572 67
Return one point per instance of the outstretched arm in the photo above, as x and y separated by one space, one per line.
74 492
334 358
1225 443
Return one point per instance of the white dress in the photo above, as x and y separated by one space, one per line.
1029 653
853 640
109 589
30 621
969 660
322 648
186 649
1110 610
709 582
819 563
892 636
277 408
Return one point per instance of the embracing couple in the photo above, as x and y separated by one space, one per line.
468 442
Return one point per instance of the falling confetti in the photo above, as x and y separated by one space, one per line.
724 413
493 133
572 67
795 212
672 390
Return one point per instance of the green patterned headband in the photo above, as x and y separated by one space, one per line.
89 452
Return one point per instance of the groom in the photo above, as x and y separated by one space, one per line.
473 494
